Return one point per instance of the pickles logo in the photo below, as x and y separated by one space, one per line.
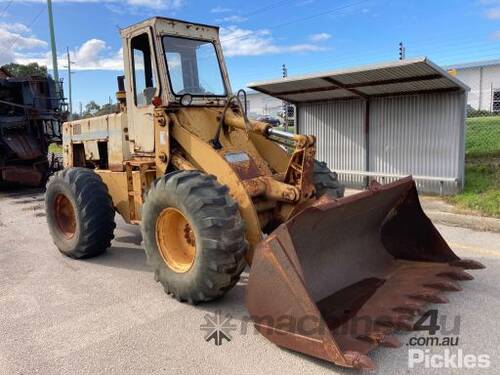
450 356
218 327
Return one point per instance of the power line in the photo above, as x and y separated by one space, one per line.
36 17
263 9
7 7
319 14
302 19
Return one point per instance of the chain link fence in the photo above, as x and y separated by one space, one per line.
482 134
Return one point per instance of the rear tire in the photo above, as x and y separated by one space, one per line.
80 213
326 181
193 236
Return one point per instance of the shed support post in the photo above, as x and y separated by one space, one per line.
367 140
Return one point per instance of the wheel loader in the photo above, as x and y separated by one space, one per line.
213 191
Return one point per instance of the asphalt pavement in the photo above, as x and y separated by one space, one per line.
108 315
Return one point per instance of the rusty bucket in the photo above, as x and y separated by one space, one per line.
339 278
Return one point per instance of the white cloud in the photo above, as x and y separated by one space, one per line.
220 9
151 4
94 54
15 39
17 44
15 27
320 37
496 35
493 13
233 19
242 42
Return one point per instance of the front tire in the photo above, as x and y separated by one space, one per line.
80 213
326 181
193 236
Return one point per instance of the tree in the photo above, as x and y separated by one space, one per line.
32 69
107 109
91 108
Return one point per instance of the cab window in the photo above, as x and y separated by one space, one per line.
144 82
193 67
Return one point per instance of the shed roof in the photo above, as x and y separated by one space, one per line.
409 76
473 64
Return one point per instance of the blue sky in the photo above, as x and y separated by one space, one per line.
258 36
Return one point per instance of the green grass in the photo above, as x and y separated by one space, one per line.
483 136
482 169
482 187
55 148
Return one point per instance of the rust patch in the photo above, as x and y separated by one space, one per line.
24 146
245 169
356 269
24 175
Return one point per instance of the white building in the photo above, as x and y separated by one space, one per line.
262 104
483 78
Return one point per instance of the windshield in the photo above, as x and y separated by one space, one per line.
193 67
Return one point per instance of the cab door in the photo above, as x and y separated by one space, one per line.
143 87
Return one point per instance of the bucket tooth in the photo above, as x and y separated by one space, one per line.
375 261
457 275
390 342
468 264
380 338
446 286
358 360
429 297
401 322
409 308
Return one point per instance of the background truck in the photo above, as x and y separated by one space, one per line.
30 120
214 191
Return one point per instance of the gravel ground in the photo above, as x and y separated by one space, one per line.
107 315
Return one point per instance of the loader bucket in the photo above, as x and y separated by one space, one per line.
340 277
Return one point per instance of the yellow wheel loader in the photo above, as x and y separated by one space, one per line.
213 191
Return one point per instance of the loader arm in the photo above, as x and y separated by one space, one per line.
248 183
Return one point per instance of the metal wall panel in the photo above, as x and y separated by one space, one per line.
419 135
422 135
339 126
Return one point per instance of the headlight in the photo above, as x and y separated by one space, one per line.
186 100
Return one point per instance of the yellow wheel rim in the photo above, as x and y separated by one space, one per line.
65 216
175 239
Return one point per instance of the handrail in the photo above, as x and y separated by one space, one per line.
441 180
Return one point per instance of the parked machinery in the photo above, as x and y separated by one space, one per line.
30 118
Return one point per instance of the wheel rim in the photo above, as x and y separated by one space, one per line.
175 239
65 216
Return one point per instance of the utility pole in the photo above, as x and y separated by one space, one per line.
402 51
284 70
69 86
53 47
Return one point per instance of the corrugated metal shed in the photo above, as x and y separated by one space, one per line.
399 77
383 121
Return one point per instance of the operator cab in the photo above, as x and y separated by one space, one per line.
177 62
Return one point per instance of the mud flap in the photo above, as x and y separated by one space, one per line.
338 278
